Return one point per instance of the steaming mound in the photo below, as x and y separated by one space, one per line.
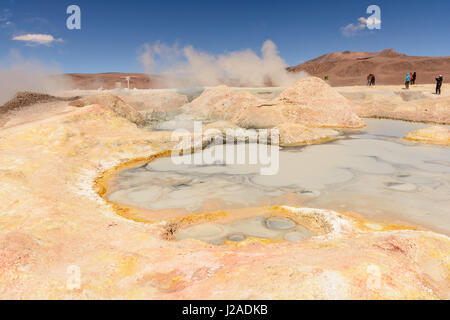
25 99
221 103
435 135
310 102
351 68
120 107
240 107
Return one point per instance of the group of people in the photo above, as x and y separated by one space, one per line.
410 79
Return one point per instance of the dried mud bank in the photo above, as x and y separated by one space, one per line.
52 219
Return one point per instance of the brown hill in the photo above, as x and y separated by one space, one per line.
93 81
108 80
343 69
390 67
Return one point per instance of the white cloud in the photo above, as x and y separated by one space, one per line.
37 39
352 29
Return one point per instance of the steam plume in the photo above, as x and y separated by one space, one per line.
239 68
19 74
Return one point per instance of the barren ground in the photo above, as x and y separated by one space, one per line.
53 219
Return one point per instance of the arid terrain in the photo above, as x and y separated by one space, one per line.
351 68
346 68
61 163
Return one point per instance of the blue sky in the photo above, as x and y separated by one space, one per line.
113 32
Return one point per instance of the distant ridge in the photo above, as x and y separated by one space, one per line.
343 69
351 67
108 80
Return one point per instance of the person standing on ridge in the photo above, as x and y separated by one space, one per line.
372 80
439 81
408 80
414 76
369 79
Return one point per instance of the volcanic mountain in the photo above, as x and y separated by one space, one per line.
390 67
111 80
342 68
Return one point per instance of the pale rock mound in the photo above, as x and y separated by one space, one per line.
221 103
294 134
120 107
320 104
310 101
265 116
156 101
435 135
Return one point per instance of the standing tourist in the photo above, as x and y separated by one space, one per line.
408 80
439 81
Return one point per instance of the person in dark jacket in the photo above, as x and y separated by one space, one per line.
372 81
439 81
414 78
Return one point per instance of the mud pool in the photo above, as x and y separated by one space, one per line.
273 228
373 172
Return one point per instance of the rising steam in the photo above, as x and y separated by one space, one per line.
239 68
19 74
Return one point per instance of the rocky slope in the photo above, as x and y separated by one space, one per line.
119 106
351 68
25 99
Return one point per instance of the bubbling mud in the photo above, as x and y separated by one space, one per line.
273 228
373 172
